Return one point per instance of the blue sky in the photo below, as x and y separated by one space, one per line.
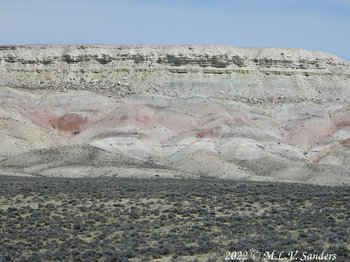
312 24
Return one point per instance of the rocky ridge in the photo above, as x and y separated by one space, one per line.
124 70
198 111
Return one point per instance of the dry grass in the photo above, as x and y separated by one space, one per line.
117 219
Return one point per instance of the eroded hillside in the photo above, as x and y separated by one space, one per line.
197 111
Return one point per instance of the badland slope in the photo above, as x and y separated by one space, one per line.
199 111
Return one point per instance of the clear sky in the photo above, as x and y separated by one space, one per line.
312 24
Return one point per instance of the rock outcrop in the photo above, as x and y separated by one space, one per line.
201 111
135 70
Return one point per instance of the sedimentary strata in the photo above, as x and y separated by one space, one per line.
197 111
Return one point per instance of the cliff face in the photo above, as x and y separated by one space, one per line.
129 70
297 60
238 113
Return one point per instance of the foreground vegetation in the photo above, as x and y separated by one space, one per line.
119 219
